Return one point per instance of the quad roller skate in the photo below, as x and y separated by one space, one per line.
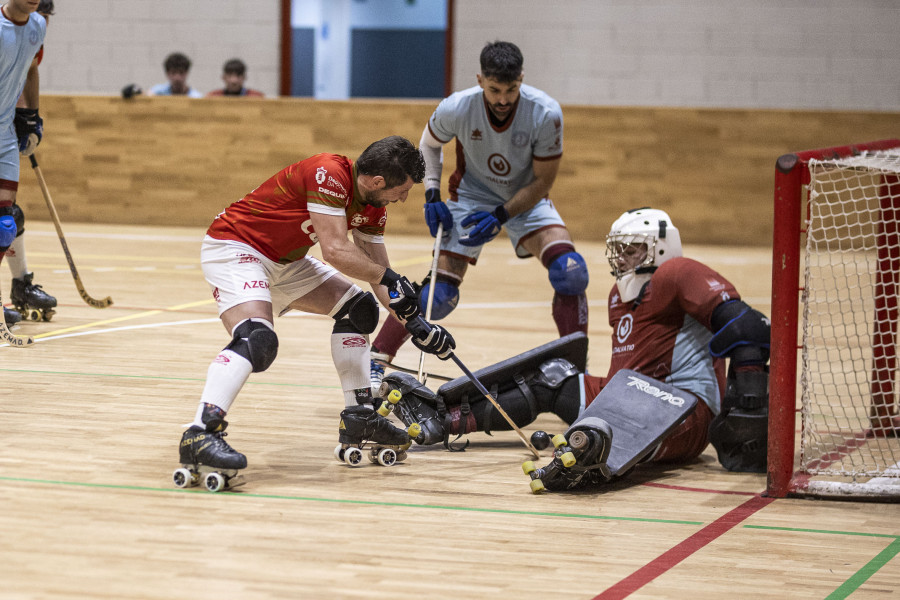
364 428
206 456
31 300
580 459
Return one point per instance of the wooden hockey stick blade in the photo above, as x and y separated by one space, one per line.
62 240
496 404
433 281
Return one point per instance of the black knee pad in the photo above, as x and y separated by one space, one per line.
18 216
358 315
255 342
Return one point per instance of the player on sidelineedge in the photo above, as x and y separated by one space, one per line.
674 322
255 259
509 143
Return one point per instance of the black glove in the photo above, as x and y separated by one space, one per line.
131 90
431 338
29 129
404 298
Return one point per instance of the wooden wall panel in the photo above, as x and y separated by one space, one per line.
164 161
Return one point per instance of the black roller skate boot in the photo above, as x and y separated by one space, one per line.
578 460
204 454
31 300
11 317
415 404
362 426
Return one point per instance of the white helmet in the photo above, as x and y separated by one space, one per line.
642 229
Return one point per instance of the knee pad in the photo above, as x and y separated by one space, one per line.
18 216
358 315
7 231
446 297
569 274
256 342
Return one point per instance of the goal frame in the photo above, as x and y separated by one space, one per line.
790 217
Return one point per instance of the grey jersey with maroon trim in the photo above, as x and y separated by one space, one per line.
494 163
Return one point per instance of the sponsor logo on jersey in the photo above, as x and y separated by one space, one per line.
654 391
498 165
624 328
247 258
354 342
520 139
715 285
216 294
476 135
336 184
382 220
320 175
332 193
614 300
256 285
357 220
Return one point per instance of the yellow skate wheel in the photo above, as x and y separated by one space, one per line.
568 459
383 410
394 396
558 440
537 486
528 467
414 430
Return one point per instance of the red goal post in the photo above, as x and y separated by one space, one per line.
792 243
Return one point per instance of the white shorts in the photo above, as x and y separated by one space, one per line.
239 273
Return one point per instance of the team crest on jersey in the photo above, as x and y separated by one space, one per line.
320 175
382 220
476 135
520 139
623 329
498 165
358 220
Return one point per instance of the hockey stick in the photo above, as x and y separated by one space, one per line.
16 341
62 240
433 282
389 364
496 404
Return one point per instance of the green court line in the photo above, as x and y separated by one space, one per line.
115 375
869 569
826 531
236 495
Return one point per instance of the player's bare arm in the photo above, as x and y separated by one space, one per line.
544 175
378 254
340 252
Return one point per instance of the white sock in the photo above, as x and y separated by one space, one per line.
350 353
15 257
226 376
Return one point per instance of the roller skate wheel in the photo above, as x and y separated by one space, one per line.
414 430
182 478
568 459
339 453
528 467
47 315
537 486
579 440
384 410
214 482
33 315
394 396
558 440
387 457
353 456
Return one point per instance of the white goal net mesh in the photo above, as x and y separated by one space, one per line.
849 343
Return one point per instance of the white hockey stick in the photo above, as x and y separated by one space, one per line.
62 240
434 263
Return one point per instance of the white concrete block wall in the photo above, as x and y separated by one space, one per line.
815 54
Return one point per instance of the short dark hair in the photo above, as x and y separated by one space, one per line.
177 62
501 61
395 158
45 7
235 66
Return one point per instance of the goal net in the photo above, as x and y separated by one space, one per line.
845 289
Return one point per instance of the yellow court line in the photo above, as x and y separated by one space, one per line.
147 313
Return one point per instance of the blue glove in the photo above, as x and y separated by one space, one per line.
7 232
29 129
436 212
486 226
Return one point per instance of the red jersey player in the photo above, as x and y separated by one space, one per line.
255 259
674 320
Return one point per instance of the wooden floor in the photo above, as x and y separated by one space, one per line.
92 415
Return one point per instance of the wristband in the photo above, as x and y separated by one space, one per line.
501 214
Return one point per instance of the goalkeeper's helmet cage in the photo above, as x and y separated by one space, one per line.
644 229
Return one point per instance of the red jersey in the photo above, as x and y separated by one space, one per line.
666 335
274 218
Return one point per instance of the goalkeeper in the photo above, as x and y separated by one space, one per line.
674 320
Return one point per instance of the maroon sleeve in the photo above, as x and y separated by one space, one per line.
700 289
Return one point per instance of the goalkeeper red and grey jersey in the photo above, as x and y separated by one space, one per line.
666 336
493 163
274 218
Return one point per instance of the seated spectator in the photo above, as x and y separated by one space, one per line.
233 74
177 66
